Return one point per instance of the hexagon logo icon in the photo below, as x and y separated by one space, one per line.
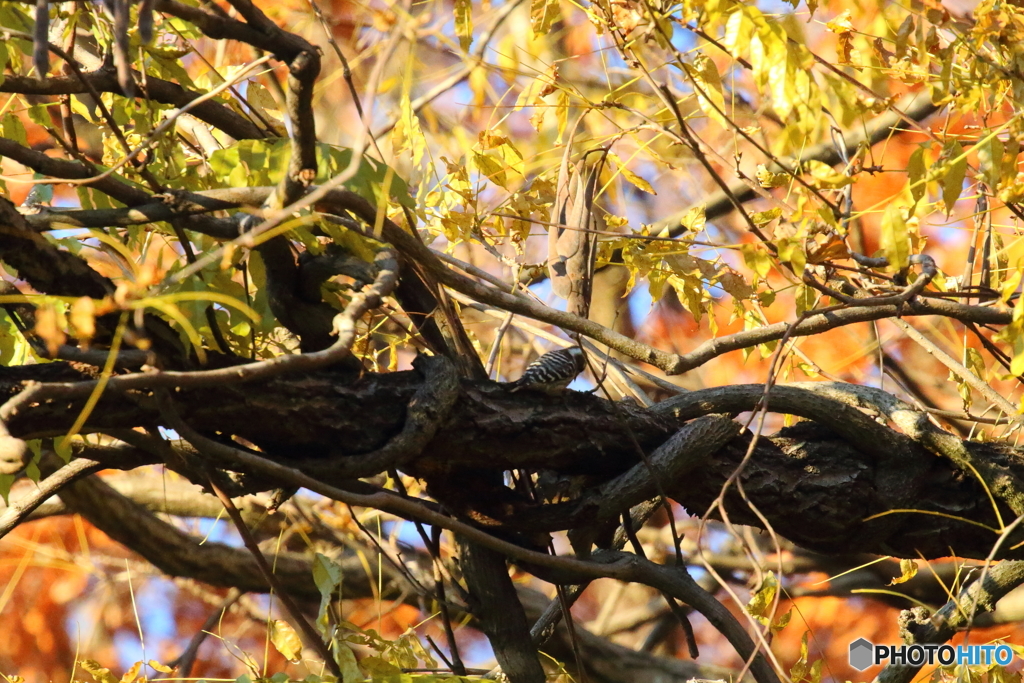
860 654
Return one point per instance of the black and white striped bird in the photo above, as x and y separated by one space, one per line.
552 372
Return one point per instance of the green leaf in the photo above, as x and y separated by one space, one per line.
895 239
32 468
916 174
346 660
757 259
954 169
3 61
38 115
327 577
990 154
14 130
805 299
791 251
257 163
62 447
6 481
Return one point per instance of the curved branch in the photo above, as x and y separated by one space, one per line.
76 170
65 476
158 90
428 409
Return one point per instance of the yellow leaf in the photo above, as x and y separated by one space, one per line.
805 298
157 666
491 168
841 24
464 22
83 318
708 86
99 673
695 219
50 328
131 674
908 569
763 218
825 176
488 139
562 114
767 179
738 32
800 667
761 602
260 99
478 86
781 83
286 640
542 14
990 154
633 178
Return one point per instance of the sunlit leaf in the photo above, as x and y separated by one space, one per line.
769 179
763 599
100 674
708 85
464 22
157 666
542 14
894 238
951 176
285 640
825 176
908 570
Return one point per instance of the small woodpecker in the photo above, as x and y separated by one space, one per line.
552 372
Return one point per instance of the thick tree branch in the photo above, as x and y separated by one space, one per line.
158 90
62 168
64 476
501 615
